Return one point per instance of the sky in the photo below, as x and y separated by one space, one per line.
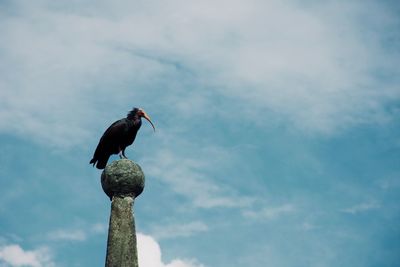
277 141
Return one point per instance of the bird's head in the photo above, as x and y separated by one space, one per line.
141 113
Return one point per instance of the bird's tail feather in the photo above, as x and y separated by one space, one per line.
101 163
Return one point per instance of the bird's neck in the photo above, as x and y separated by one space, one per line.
136 120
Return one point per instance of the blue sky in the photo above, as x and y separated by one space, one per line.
277 139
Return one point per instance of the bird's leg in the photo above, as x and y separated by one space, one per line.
123 153
120 153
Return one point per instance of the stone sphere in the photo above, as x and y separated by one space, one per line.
122 178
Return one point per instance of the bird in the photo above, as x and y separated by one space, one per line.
118 136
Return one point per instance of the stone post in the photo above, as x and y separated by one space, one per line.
122 180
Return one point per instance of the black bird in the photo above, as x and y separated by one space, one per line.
118 136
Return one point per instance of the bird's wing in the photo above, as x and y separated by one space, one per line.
115 132
116 129
109 141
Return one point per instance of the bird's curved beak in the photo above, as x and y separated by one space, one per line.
144 115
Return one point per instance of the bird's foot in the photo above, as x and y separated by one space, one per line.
122 156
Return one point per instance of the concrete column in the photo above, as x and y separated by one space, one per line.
122 180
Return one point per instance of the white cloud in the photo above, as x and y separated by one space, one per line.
362 207
72 235
99 228
166 231
389 183
316 66
15 256
187 176
149 254
269 213
306 226
77 234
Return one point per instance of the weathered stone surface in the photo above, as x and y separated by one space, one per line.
123 178
122 181
121 244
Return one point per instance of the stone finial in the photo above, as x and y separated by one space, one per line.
123 178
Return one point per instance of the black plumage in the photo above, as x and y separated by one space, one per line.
118 136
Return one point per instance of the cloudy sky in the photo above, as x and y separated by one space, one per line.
278 130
